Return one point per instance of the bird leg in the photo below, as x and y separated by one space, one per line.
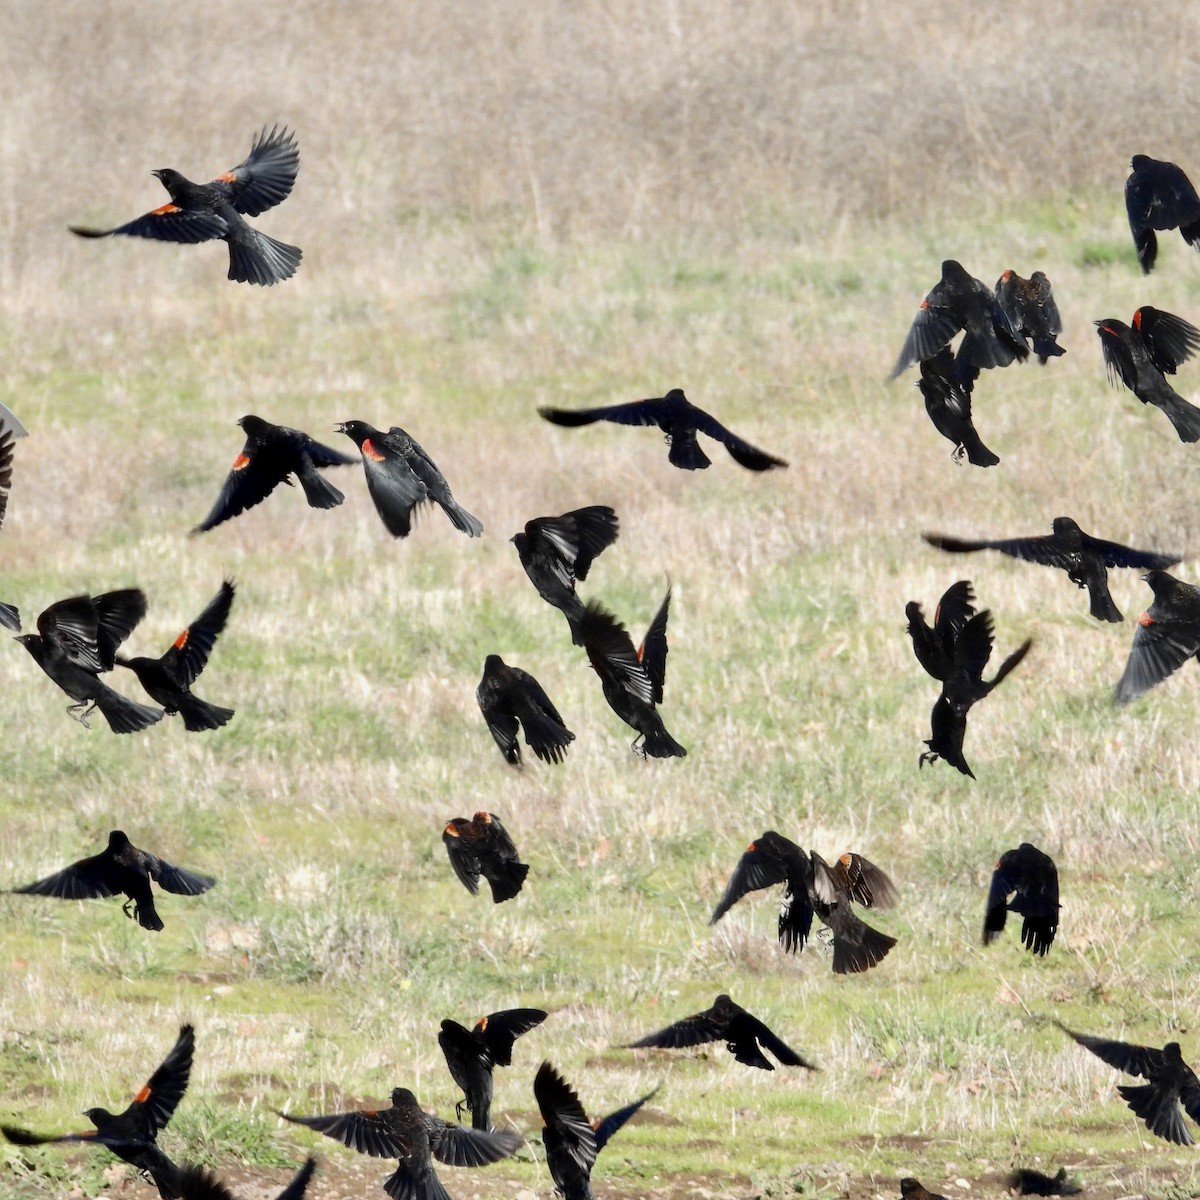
637 747
81 711
126 907
458 1109
928 756
958 453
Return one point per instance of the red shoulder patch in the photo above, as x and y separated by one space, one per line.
163 210
750 849
370 452
241 462
923 304
181 640
228 177
452 830
1137 319
143 1095
1006 276
1146 619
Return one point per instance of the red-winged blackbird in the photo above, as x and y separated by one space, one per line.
121 869
401 477
1142 356
506 695
1172 1083
131 1135
812 886
956 302
965 686
197 1183
78 638
572 1141
472 1053
632 679
1025 1181
743 1034
1084 558
680 421
556 551
948 403
1158 195
416 1138
481 846
271 455
1031 311
934 646
1167 635
10 618
1033 878
200 212
912 1189
169 679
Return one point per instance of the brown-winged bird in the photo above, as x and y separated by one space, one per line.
271 455
959 301
632 679
1025 1181
132 1135
557 551
948 403
121 869
744 1035
77 639
934 644
1085 559
10 618
200 212
1031 878
401 477
570 1139
1171 1083
471 1054
416 1138
1158 195
1142 355
811 887
507 695
680 420
964 687
169 679
1031 311
481 846
912 1189
1167 635
198 1183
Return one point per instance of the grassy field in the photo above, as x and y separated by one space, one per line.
540 204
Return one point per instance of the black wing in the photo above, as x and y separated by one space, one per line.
954 610
742 452
168 223
756 869
7 441
1042 550
71 625
175 879
117 614
166 1086
367 1132
563 1113
611 651
636 412
189 654
266 175
395 490
256 473
459 1146
596 528
462 858
691 1031
932 328
1118 357
652 653
499 1030
744 1022
1170 340
607 1126
87 879
1159 649
1116 555
1125 1056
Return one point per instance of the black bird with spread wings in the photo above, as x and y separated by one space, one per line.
132 1135
1167 635
1031 310
481 846
934 644
680 421
507 695
1158 195
201 212
1031 878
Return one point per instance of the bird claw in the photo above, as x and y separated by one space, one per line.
958 453
81 711
458 1109
126 907
638 745
927 756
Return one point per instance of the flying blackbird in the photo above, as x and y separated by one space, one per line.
956 302
78 638
744 1035
812 886
401 477
911 1189
200 212
506 695
1158 195
632 680
1171 1083
1033 877
10 618
1031 311
169 679
570 1139
1142 356
131 1135
414 1137
948 403
965 686
1025 1181
1168 634
481 846
556 551
934 646
680 421
121 869
472 1053
271 455
1084 558
197 1183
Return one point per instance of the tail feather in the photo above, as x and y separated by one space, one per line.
506 880
256 258
850 958
317 489
1046 348
125 716
1147 249
977 453
1101 603
1191 234
1159 1108
199 715
686 452
1184 416
462 519
1013 659
660 744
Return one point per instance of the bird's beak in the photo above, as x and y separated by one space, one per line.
340 427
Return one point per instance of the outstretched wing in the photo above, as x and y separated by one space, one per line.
166 1086
72 626
691 1031
1170 340
636 412
607 1126
1159 649
189 653
175 879
499 1030
756 869
167 223
1042 550
366 1131
742 452
266 175
1116 555
460 1146
255 474
652 653
87 879
462 858
611 651
1125 1056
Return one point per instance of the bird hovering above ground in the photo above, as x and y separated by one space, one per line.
1031 311
200 212
1084 558
680 421
1167 635
132 1135
481 846
1158 195
1031 877
948 403
934 645
507 695
198 1183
